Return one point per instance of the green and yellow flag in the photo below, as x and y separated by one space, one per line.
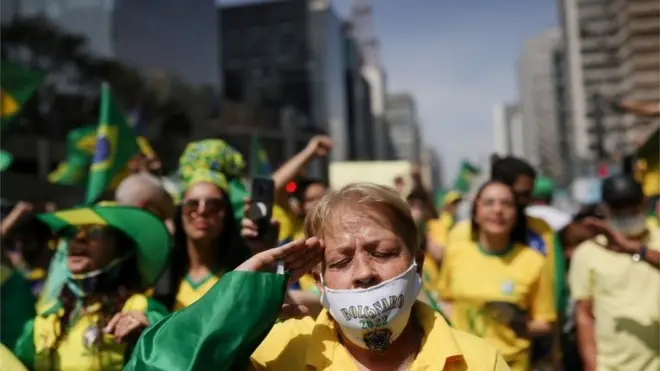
5 160
466 173
116 144
17 85
259 162
81 144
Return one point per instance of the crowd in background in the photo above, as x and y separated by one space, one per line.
91 288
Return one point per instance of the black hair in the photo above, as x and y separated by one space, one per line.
230 246
589 211
305 183
519 233
508 169
417 194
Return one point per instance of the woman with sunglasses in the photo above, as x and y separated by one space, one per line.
207 241
495 286
114 254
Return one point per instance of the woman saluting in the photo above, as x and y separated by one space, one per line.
115 253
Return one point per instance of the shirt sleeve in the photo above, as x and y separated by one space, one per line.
579 274
542 306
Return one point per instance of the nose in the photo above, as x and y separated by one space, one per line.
363 274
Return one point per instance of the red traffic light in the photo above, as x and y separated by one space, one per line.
291 187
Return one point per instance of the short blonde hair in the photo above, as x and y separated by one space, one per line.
375 199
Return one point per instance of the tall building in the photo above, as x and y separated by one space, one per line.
508 138
289 54
538 106
170 37
403 123
612 52
432 166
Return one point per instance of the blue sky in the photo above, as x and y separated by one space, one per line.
458 58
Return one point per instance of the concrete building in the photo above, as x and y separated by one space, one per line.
432 168
289 54
612 50
508 137
538 106
170 37
403 124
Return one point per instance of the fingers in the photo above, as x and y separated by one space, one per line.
248 228
110 327
246 205
129 323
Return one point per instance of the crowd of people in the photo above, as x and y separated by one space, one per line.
360 278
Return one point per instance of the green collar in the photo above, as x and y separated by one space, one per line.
490 253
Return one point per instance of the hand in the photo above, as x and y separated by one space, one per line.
299 257
22 208
250 232
127 325
615 240
320 145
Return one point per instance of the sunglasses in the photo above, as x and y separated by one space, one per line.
209 205
84 232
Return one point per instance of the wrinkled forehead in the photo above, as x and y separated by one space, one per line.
347 224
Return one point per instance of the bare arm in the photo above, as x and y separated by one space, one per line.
586 334
14 216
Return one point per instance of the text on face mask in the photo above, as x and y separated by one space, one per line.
376 309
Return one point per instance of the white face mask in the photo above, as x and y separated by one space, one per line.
629 225
374 317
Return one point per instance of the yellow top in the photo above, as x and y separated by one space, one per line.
84 346
471 277
291 229
8 361
190 291
308 344
626 304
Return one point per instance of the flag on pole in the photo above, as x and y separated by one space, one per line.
116 144
465 176
17 85
81 144
260 164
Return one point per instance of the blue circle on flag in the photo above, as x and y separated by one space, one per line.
536 242
102 152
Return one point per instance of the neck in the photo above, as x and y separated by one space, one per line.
494 244
401 352
200 254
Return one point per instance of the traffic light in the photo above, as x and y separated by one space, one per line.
291 187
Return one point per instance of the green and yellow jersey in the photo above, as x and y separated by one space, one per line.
84 346
291 229
470 277
190 291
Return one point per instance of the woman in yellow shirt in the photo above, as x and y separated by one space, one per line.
207 243
114 254
497 287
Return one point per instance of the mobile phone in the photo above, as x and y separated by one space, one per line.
261 210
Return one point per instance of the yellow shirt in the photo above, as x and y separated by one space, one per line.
471 277
190 291
626 304
291 229
308 344
8 361
84 346
430 276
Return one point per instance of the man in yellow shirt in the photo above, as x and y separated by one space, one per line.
615 281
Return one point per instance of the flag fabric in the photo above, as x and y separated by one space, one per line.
466 173
81 144
219 332
5 160
260 164
115 145
17 85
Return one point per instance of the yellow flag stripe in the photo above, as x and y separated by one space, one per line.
80 217
8 105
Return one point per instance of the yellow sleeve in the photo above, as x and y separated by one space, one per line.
154 310
579 273
8 361
542 306
281 349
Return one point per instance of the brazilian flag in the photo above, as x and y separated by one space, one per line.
116 144
81 144
17 85
465 176
260 164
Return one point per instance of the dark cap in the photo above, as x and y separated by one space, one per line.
622 190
